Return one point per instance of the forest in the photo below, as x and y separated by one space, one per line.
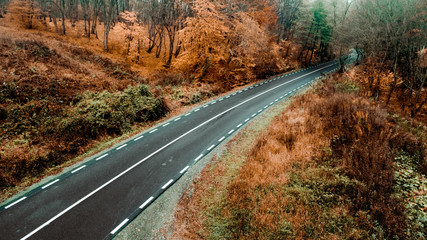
77 73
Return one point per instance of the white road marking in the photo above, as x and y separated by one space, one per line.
276 100
167 184
120 226
205 106
153 130
266 107
185 169
211 147
122 146
136 139
16 202
167 124
103 156
188 114
177 119
247 119
231 131
259 110
213 103
227 96
198 158
146 202
221 139
238 126
197 110
78 169
253 115
50 184
159 150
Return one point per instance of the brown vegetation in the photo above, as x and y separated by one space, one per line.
324 169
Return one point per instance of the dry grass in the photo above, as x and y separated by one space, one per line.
324 169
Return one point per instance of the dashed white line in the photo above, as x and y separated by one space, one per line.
50 184
185 169
227 96
259 110
271 103
276 100
16 202
122 146
177 119
220 99
156 152
247 119
146 202
221 139
213 103
103 156
167 124
238 126
231 131
266 107
205 106
167 184
211 147
197 110
136 139
188 114
198 158
120 226
78 169
154 130
253 115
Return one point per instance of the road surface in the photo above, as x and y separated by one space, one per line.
97 199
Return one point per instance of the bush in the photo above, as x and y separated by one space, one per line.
111 113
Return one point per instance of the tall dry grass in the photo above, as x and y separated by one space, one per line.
323 170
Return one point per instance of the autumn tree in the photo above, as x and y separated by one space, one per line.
392 34
25 13
287 12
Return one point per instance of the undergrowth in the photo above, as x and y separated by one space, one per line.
324 169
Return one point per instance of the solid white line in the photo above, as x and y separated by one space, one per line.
220 140
198 158
153 130
247 119
136 139
211 147
185 169
122 146
167 124
231 131
159 150
47 185
167 184
20 200
103 156
120 226
177 119
78 169
146 202
239 125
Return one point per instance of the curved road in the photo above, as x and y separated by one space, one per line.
97 199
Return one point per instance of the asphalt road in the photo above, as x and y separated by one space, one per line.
97 199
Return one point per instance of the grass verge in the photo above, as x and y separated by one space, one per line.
325 168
